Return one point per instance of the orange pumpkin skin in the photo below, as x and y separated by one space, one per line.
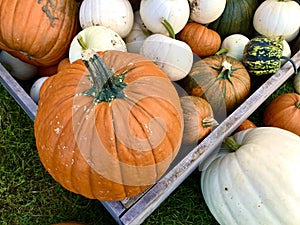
224 89
246 124
284 112
38 32
198 119
202 40
109 150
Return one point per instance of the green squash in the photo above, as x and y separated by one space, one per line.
262 55
236 18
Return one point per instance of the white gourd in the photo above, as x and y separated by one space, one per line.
259 183
114 14
206 11
275 18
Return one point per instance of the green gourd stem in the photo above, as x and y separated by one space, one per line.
82 43
168 27
209 122
298 104
291 61
106 84
226 71
231 143
221 51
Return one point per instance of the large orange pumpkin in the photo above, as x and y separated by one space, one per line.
38 32
110 132
284 112
222 80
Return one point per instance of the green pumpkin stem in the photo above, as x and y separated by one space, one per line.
222 51
168 27
209 122
298 104
231 143
106 84
291 61
226 71
82 43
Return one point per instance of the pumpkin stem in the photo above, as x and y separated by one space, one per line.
168 27
106 84
226 71
298 104
291 61
82 43
221 51
232 144
209 122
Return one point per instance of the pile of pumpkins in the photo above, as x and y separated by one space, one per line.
124 84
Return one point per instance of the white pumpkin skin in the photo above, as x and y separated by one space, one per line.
172 56
257 184
16 67
35 89
235 44
114 14
296 82
206 11
135 38
274 18
176 12
98 38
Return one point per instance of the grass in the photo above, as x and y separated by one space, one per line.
29 195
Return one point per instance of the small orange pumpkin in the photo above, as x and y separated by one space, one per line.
111 131
38 32
198 119
222 80
246 124
202 40
284 112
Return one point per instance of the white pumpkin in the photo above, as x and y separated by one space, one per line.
206 11
35 88
296 82
275 18
259 183
16 67
137 35
98 38
177 13
235 44
114 14
287 52
172 56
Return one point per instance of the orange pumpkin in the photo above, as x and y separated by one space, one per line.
202 40
246 124
284 112
38 32
222 80
198 119
111 131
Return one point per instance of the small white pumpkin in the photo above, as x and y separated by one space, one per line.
114 14
206 11
286 51
296 82
98 38
172 56
35 88
137 35
16 67
235 44
258 183
275 18
176 12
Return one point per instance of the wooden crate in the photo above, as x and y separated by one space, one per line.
134 211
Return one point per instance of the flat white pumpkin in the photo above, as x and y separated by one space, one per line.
16 67
206 11
174 57
275 18
257 184
176 12
98 38
114 14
